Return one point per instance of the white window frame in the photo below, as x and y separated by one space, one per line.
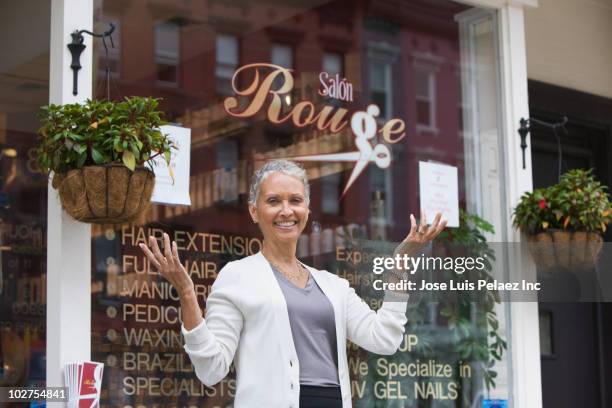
523 317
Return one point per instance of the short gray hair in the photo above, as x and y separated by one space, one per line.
286 167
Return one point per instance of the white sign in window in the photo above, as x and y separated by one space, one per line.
167 190
438 186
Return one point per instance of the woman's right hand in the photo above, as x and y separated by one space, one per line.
169 265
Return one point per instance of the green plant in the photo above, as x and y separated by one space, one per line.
472 318
101 132
577 203
456 328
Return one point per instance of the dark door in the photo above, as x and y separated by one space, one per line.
575 337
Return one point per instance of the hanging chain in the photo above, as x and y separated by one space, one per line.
108 33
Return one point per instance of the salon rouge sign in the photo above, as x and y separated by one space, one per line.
262 80
334 87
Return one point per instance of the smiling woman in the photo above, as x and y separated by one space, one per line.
278 202
276 318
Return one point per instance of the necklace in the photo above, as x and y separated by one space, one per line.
294 276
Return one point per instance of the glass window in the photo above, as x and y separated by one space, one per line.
425 86
227 166
227 57
24 88
167 52
112 56
282 55
381 87
387 61
546 333
332 63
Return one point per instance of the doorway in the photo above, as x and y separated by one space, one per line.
575 359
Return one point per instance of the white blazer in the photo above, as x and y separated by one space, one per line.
247 322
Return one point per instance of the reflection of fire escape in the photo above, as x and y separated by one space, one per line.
211 124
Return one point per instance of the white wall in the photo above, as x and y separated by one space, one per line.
569 43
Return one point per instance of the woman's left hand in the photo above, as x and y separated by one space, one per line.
420 236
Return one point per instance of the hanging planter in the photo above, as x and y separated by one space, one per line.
98 152
106 194
557 249
564 222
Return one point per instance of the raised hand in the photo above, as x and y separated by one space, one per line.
168 264
420 236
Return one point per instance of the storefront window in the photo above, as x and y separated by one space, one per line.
24 87
429 66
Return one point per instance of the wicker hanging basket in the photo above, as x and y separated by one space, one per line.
557 249
105 194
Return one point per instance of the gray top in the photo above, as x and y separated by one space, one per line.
313 326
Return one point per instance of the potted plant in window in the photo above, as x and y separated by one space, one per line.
98 151
564 222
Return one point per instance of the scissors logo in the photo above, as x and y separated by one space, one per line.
364 127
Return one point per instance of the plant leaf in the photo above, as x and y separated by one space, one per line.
171 173
97 157
81 159
129 160
79 148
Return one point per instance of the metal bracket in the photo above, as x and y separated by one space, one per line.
525 128
76 48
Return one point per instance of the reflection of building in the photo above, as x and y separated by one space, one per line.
409 63
409 69
454 72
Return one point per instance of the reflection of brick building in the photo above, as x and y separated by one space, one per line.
401 56
404 61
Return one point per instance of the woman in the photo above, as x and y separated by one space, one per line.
282 323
